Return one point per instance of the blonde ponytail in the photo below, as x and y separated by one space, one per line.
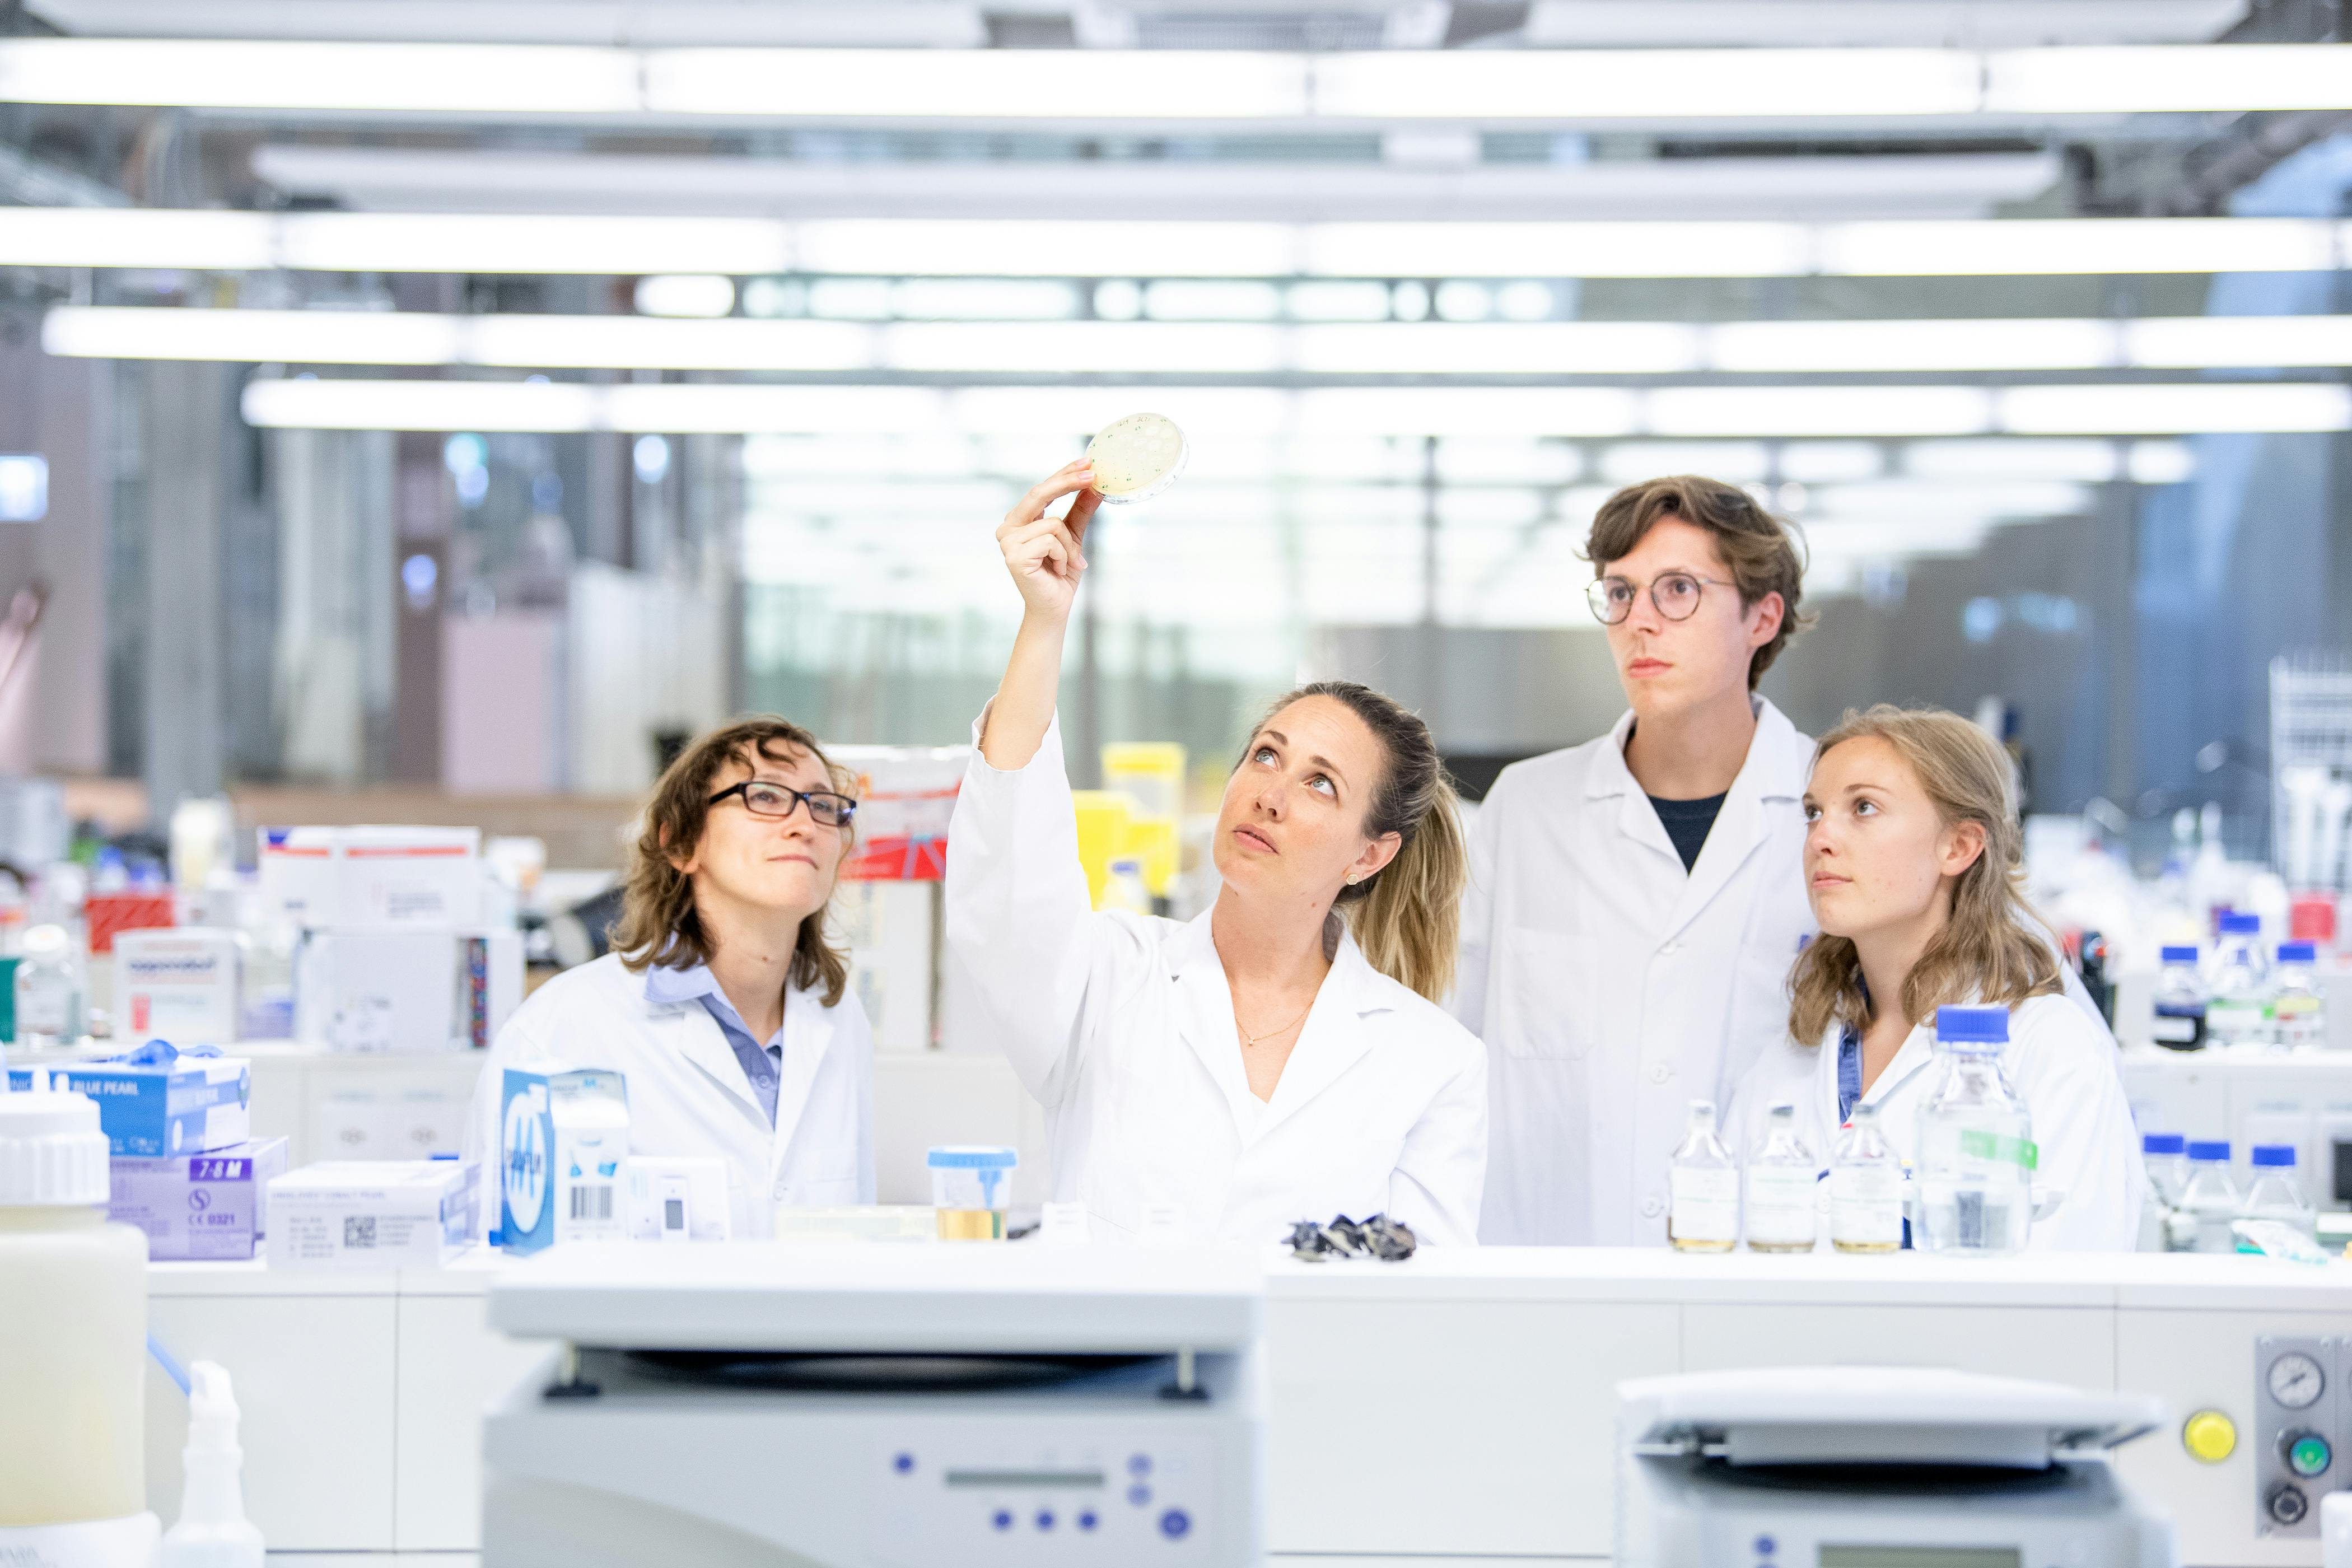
1406 916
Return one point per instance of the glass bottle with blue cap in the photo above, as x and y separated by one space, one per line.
1977 1155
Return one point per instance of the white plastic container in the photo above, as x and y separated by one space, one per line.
73 1345
212 1532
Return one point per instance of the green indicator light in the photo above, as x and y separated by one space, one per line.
2309 1456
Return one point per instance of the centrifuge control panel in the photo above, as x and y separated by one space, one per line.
989 1497
2303 1425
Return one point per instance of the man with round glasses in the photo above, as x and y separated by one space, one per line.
1637 902
725 1003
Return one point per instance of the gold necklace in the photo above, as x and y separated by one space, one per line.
1249 1040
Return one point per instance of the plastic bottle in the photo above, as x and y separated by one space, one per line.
73 1343
2298 1012
1125 889
1866 1188
1977 1155
2211 1200
213 1531
2164 1155
48 990
2180 1023
2275 1193
2237 988
1703 1183
1782 1179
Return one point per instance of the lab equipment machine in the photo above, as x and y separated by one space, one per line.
1864 1466
848 1406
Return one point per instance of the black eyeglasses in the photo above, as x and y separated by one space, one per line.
1675 594
774 800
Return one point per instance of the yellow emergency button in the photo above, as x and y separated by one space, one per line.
2211 1436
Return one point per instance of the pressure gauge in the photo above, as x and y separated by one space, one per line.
2296 1381
1136 458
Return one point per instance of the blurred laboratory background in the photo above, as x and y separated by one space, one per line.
434 413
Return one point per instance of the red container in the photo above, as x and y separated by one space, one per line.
109 913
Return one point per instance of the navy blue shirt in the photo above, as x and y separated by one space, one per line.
1687 823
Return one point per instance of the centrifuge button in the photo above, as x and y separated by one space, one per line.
2307 1453
2288 1505
2209 1435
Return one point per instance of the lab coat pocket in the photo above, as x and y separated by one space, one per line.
1544 1012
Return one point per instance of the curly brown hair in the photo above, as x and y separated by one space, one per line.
659 925
1757 546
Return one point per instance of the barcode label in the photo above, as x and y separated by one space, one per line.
592 1203
359 1230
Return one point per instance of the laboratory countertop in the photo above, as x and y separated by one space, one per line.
2092 1280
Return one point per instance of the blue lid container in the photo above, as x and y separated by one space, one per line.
2209 1149
971 1157
2162 1143
2235 924
2275 1156
2183 955
1972 1026
2298 953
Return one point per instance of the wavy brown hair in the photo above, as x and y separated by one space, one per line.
1756 546
659 925
1407 915
1988 951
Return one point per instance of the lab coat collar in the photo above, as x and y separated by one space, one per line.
1777 764
675 995
1331 1041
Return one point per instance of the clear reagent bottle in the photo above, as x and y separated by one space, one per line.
1866 1188
48 990
1703 1187
1782 1179
2212 1199
2238 989
1977 1155
2275 1193
2298 1010
2180 1023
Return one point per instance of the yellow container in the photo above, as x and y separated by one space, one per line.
1103 819
1151 774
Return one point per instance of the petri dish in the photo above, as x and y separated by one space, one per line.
1136 458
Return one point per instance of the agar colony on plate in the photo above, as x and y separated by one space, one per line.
1136 458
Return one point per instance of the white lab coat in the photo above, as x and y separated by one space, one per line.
2059 1061
1122 1025
688 1094
1612 986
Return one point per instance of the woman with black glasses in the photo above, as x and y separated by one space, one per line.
724 1004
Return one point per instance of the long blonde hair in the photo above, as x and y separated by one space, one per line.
659 926
1406 916
1988 951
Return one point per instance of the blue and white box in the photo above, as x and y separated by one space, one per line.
371 1213
158 1101
563 1145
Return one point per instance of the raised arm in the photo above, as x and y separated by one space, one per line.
1045 558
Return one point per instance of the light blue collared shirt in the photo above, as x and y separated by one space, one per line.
667 987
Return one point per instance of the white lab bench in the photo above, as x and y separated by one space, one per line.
1453 1408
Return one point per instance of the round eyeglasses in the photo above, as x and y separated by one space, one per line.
774 800
1675 594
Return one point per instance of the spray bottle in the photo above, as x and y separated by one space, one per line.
213 1531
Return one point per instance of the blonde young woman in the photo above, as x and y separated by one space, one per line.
1912 865
1280 1057
725 1004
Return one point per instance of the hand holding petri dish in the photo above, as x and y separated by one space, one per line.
1136 458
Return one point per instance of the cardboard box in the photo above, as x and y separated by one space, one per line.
355 877
563 1143
158 1101
398 990
183 984
371 1213
200 1205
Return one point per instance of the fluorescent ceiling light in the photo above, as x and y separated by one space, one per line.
879 248
1084 347
1490 87
685 294
1345 413
1818 462
1208 299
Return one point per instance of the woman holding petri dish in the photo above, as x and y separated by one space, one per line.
1281 1056
1913 861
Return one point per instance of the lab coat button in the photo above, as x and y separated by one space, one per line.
1671 948
1661 1072
1651 1208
